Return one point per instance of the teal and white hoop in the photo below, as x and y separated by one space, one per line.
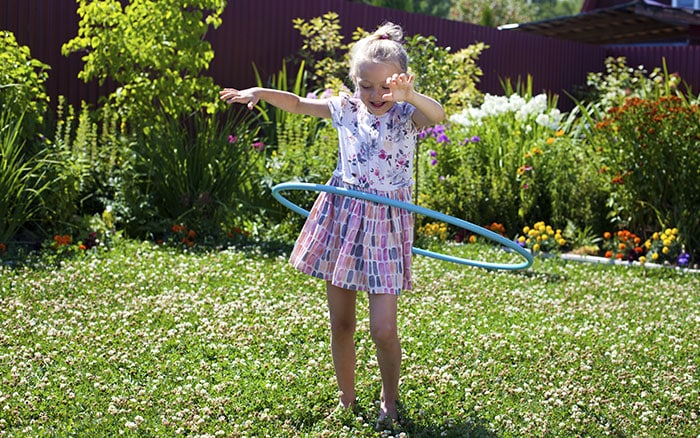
481 231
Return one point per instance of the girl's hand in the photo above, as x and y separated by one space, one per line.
400 87
231 95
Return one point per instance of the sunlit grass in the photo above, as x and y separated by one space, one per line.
147 341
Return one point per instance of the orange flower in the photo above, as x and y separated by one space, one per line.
192 234
608 254
62 240
607 235
472 238
619 256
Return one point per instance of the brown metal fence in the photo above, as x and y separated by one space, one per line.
260 32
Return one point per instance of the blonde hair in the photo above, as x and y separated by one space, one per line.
382 46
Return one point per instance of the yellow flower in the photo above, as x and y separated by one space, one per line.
665 250
550 140
562 242
521 239
642 260
559 133
536 247
526 229
655 256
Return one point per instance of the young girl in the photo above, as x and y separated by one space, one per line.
354 244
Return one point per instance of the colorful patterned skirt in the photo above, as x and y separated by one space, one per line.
357 244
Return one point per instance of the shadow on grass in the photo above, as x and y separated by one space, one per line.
361 421
476 428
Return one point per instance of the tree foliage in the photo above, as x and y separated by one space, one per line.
426 7
492 13
22 80
154 50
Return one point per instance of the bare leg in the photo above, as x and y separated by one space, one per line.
341 306
383 327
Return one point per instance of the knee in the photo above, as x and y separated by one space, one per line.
341 327
384 334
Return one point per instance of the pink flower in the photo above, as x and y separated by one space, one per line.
259 146
232 139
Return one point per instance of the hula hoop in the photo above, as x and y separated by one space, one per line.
497 238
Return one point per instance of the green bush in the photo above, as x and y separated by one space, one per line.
449 78
154 50
195 171
619 82
73 152
22 78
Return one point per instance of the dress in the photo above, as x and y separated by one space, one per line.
358 244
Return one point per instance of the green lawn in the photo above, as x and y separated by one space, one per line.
148 341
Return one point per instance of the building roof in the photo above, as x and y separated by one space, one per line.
631 22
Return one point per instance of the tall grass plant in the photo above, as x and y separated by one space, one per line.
23 179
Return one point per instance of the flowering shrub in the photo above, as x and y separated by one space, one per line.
434 230
622 245
542 238
509 160
183 235
650 155
464 235
619 82
665 247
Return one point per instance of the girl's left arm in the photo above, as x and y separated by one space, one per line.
428 110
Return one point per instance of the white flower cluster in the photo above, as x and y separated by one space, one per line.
523 109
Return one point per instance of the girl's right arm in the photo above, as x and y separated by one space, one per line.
281 99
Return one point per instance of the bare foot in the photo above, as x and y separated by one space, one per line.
388 416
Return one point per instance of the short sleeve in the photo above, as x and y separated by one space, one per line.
338 106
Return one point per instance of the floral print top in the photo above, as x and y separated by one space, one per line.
375 152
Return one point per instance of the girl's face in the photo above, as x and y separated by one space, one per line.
371 85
